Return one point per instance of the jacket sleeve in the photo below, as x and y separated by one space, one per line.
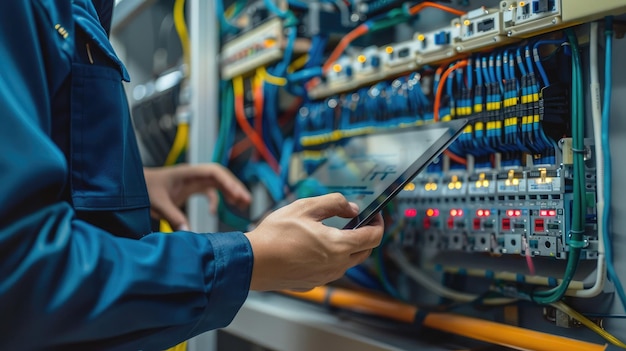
65 284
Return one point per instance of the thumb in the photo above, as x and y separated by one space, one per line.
173 215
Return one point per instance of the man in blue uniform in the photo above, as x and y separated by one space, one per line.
78 269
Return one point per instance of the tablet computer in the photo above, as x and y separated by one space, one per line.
371 169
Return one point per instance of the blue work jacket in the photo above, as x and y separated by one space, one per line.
77 268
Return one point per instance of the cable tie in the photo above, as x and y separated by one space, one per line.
579 151
418 320
327 297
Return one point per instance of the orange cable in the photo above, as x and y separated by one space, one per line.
474 328
240 147
419 7
244 144
456 158
343 44
363 28
247 129
257 90
437 102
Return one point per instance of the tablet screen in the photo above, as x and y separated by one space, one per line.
370 170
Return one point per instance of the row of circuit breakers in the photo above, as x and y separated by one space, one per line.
512 212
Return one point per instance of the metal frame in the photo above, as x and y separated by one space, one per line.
204 112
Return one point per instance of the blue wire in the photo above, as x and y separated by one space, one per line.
360 276
479 77
271 95
522 69
311 68
225 25
607 161
470 79
485 70
499 72
512 72
270 5
316 52
520 62
529 61
492 71
531 71
299 4
305 74
542 71
505 64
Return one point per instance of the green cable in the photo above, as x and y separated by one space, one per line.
578 217
219 154
227 105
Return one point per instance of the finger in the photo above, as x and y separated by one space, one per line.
377 220
232 189
366 237
173 215
213 200
326 206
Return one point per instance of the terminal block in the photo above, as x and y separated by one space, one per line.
258 47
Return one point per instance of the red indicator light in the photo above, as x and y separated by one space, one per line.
543 213
552 213
518 213
485 213
410 212
456 212
510 213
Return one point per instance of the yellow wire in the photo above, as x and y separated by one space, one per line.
182 132
179 145
181 29
259 77
238 86
561 306
274 80
230 11
298 63
180 347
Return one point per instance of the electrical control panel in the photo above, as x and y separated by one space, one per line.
512 205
